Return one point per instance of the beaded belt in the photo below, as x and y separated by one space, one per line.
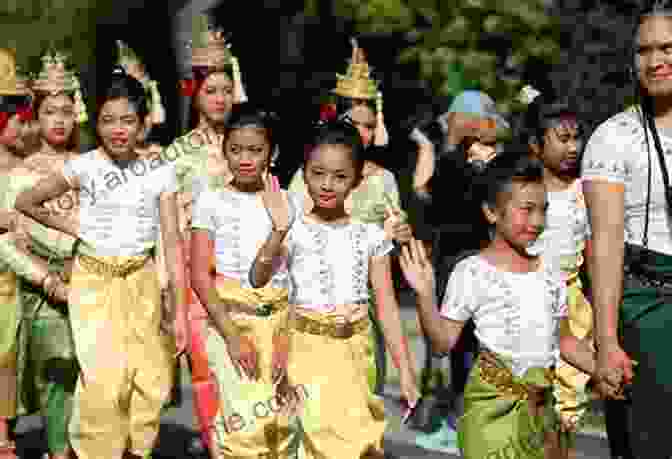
344 330
105 269
502 378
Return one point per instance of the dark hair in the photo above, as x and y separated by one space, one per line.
200 75
249 114
514 165
10 106
544 108
121 85
340 133
73 141
345 104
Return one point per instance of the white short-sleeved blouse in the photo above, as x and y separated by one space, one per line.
567 228
517 315
239 224
119 207
617 153
329 264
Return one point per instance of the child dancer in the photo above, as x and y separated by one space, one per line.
553 137
517 302
331 260
253 336
114 304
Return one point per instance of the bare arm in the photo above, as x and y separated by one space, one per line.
29 267
172 245
443 333
262 267
424 167
31 203
605 202
576 351
388 312
203 284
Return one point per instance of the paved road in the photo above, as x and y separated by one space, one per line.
178 434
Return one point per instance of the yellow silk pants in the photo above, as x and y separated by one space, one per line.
126 362
570 393
250 422
340 416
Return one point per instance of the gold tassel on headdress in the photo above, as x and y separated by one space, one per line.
380 136
55 79
135 68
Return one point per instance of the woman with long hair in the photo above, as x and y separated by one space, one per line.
215 88
627 190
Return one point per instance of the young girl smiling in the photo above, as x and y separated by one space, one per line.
331 260
518 303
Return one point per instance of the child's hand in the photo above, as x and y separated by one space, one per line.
417 268
276 203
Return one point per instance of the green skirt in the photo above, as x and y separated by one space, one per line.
496 421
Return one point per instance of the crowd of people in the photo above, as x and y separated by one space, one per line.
545 261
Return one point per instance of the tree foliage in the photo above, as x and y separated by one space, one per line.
462 43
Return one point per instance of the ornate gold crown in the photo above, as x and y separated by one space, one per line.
11 83
209 46
54 78
357 82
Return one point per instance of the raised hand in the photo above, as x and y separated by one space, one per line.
276 204
417 268
395 227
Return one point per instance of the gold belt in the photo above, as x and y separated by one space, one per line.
260 310
335 330
106 269
502 378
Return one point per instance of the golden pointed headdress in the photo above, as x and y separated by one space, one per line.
209 47
134 67
55 78
210 52
357 82
11 82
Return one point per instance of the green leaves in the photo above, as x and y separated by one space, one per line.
448 44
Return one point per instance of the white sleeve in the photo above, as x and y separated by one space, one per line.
461 296
607 156
379 244
203 213
75 170
169 179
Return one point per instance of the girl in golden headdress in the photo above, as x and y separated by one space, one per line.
115 308
47 368
376 198
14 112
215 87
